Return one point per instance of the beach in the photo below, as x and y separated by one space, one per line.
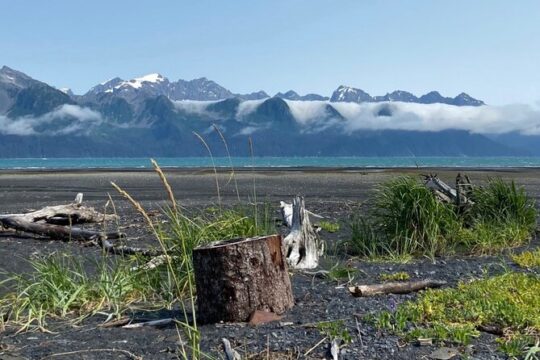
332 193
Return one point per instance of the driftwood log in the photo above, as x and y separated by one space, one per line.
236 277
303 245
460 196
56 222
394 287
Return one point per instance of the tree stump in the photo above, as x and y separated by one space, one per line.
236 277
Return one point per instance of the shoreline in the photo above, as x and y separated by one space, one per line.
262 169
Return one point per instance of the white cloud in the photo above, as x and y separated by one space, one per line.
247 107
194 106
436 117
79 119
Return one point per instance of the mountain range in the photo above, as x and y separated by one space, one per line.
153 116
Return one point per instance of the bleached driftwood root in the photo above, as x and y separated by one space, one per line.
303 245
394 287
287 213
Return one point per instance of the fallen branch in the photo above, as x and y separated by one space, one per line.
57 232
230 353
70 214
130 355
394 287
160 322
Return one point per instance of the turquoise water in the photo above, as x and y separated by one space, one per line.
343 162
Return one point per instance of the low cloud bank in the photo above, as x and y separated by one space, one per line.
317 116
524 119
66 119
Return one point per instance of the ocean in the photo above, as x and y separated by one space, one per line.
270 162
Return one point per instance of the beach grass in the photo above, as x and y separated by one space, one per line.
405 218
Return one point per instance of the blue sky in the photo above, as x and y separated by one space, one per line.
487 48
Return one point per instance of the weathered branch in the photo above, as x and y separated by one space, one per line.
53 231
394 287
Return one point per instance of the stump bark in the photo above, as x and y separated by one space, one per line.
236 277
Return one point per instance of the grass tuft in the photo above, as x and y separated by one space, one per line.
509 302
61 285
329 226
528 259
407 219
398 276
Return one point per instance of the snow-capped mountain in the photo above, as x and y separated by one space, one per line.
349 94
153 116
293 95
155 84
398 95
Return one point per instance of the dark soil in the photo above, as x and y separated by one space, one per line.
329 193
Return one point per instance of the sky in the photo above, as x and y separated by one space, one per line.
489 49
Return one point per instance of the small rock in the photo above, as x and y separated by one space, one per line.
425 341
262 317
443 353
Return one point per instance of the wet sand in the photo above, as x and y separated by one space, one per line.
31 189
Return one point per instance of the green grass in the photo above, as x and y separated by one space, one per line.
62 285
329 226
334 330
528 259
398 276
406 219
340 272
509 301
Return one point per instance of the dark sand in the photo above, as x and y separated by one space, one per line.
332 193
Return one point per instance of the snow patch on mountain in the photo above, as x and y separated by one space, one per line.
137 83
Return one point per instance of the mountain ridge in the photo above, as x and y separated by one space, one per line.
153 116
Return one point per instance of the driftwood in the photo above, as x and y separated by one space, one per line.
230 353
460 196
53 231
303 245
156 323
286 210
236 277
394 287
56 222
70 214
